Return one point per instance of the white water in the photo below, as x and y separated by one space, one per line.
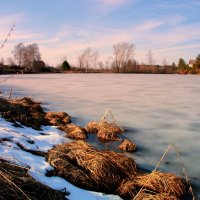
157 109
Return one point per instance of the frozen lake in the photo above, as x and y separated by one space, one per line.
156 109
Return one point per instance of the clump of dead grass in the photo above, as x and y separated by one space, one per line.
156 185
92 127
89 168
58 118
16 183
111 127
128 146
105 136
24 110
167 183
110 172
106 128
74 132
127 189
29 113
150 196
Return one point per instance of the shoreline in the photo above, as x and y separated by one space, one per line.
54 122
34 140
97 72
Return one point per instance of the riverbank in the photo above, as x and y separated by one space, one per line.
26 147
140 69
30 147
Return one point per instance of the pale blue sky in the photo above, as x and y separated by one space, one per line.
64 28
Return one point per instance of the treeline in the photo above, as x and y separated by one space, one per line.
27 59
122 61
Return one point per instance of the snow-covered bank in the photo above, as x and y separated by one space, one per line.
42 140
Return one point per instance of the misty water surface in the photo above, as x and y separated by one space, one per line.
156 109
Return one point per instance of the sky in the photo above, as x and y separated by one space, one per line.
65 28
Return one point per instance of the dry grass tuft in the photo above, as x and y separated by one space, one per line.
30 113
104 130
127 189
92 127
156 185
110 127
166 183
127 146
16 183
88 168
24 110
105 136
58 118
74 132
149 196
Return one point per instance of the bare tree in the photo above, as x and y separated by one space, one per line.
108 62
2 61
80 61
18 53
122 53
164 62
26 55
95 58
30 55
150 59
10 61
100 65
88 59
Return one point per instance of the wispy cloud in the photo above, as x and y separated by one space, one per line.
8 20
71 41
111 2
150 25
102 8
175 20
74 40
106 23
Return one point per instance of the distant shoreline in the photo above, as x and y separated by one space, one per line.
137 69
72 72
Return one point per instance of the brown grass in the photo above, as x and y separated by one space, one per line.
89 168
164 186
162 196
30 113
110 127
105 135
92 127
110 172
58 118
16 183
74 132
127 146
104 130
166 183
127 189
24 110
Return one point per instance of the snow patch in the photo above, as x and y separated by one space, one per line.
43 140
